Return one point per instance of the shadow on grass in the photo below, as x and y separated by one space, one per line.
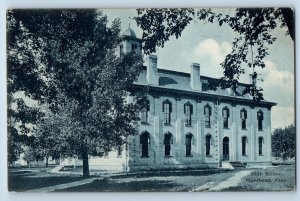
26 180
106 185
171 173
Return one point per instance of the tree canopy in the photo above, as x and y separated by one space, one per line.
284 142
78 81
249 48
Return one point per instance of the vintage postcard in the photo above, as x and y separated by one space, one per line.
151 100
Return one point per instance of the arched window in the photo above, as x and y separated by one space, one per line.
244 118
167 109
260 148
207 144
188 144
207 114
260 118
145 141
144 112
225 115
244 145
188 111
168 141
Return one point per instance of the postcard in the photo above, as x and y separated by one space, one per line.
151 100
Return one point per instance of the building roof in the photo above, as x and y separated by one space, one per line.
129 32
174 80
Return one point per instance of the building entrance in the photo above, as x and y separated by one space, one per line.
225 148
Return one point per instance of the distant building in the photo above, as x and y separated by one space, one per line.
187 125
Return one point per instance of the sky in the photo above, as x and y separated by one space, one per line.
208 44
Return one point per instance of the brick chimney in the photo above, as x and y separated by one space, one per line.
195 77
151 62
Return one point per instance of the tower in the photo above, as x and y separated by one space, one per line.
130 43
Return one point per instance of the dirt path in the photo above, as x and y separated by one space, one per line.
63 186
230 182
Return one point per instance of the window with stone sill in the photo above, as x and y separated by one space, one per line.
188 111
144 116
144 112
244 119
260 118
225 115
167 110
207 114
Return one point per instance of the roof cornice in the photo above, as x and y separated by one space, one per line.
202 96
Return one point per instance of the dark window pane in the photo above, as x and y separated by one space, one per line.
167 149
207 144
260 141
144 141
244 141
243 123
144 116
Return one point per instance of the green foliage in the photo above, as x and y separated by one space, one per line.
250 46
84 85
284 142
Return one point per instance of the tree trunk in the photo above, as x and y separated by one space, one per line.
47 163
85 163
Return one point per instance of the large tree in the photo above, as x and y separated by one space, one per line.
284 142
84 84
252 25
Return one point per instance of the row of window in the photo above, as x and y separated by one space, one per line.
189 141
188 111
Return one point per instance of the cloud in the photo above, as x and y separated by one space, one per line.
211 54
278 86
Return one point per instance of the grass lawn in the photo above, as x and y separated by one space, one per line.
277 178
163 181
28 179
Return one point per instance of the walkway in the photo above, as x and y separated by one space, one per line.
230 182
64 186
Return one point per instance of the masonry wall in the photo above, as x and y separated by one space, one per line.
156 128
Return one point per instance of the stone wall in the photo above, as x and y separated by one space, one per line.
177 127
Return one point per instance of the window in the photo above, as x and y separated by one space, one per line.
260 118
121 50
168 141
188 111
119 151
244 144
188 144
244 118
225 115
144 112
133 47
167 109
207 113
260 142
145 141
207 144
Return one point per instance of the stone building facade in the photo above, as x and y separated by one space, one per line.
187 125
